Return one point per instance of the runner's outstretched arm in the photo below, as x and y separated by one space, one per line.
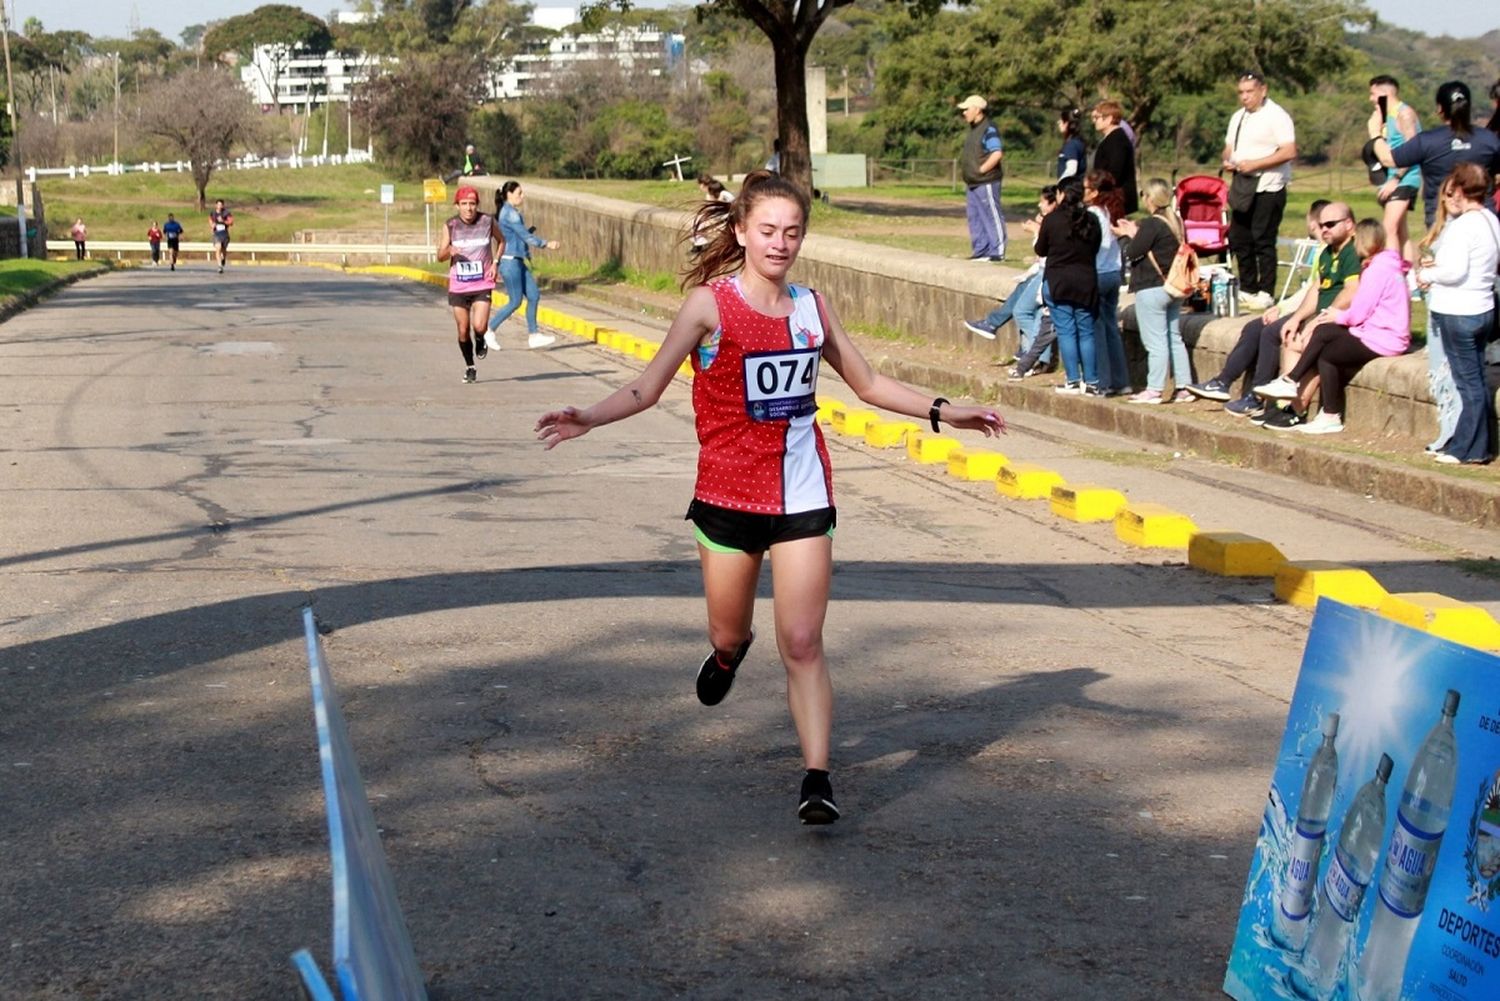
888 394
697 317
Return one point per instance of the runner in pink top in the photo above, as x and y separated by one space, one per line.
467 244
764 482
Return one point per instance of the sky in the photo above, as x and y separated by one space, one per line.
112 18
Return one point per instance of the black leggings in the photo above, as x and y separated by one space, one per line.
1338 355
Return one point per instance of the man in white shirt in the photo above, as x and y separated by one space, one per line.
1261 143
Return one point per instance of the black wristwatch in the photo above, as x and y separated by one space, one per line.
932 413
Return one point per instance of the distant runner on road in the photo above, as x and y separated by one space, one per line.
764 480
219 221
467 243
173 232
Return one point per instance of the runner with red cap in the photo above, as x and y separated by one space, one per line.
467 244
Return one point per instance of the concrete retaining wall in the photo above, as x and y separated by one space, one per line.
922 294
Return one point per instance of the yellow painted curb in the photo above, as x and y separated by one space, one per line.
856 422
889 434
1086 502
828 407
1026 481
928 448
1233 554
646 350
1303 582
588 331
1153 526
685 369
1443 616
977 465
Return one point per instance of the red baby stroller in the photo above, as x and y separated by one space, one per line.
1203 203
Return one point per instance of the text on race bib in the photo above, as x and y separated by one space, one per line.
781 385
468 271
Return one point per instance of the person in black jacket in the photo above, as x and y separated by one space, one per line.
1152 245
1116 153
1069 239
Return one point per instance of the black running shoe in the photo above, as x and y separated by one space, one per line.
1282 419
480 348
470 375
817 806
714 679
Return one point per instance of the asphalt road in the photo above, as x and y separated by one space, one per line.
1052 751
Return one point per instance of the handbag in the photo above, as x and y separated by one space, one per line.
1241 186
1242 191
1181 279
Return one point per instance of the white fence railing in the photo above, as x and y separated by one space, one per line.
242 249
178 166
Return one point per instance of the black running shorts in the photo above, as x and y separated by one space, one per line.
465 300
723 530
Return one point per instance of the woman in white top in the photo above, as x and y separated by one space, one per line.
1105 199
1460 279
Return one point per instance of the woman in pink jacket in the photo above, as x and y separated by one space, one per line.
1377 324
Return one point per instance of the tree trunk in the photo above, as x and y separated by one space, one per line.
200 181
791 111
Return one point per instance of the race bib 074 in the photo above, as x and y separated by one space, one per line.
781 385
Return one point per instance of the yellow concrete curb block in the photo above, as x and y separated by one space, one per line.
1086 502
828 407
889 434
1303 582
854 422
929 449
646 350
976 465
1153 526
588 331
1445 617
1233 554
685 369
1026 481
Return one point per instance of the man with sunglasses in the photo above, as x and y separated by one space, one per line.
1264 339
1261 143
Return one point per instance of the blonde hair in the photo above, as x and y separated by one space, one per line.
1161 200
1369 238
1441 219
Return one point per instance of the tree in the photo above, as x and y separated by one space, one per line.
203 114
1044 54
420 114
278 30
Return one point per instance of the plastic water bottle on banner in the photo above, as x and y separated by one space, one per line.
1421 821
1342 890
1300 881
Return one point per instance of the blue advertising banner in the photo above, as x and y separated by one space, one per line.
372 953
1376 874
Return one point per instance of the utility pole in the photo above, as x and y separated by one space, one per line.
15 134
117 108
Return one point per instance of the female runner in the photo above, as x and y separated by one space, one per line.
764 482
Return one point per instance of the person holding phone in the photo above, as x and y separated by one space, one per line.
1398 122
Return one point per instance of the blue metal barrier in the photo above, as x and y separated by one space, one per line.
372 952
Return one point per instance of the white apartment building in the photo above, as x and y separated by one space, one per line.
320 77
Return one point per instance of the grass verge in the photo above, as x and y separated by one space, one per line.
21 275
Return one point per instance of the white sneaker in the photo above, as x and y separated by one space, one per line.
491 341
540 340
1257 300
1279 388
1324 423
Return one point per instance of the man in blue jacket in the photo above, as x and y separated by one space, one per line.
981 162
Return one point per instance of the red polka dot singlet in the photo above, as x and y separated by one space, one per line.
753 386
